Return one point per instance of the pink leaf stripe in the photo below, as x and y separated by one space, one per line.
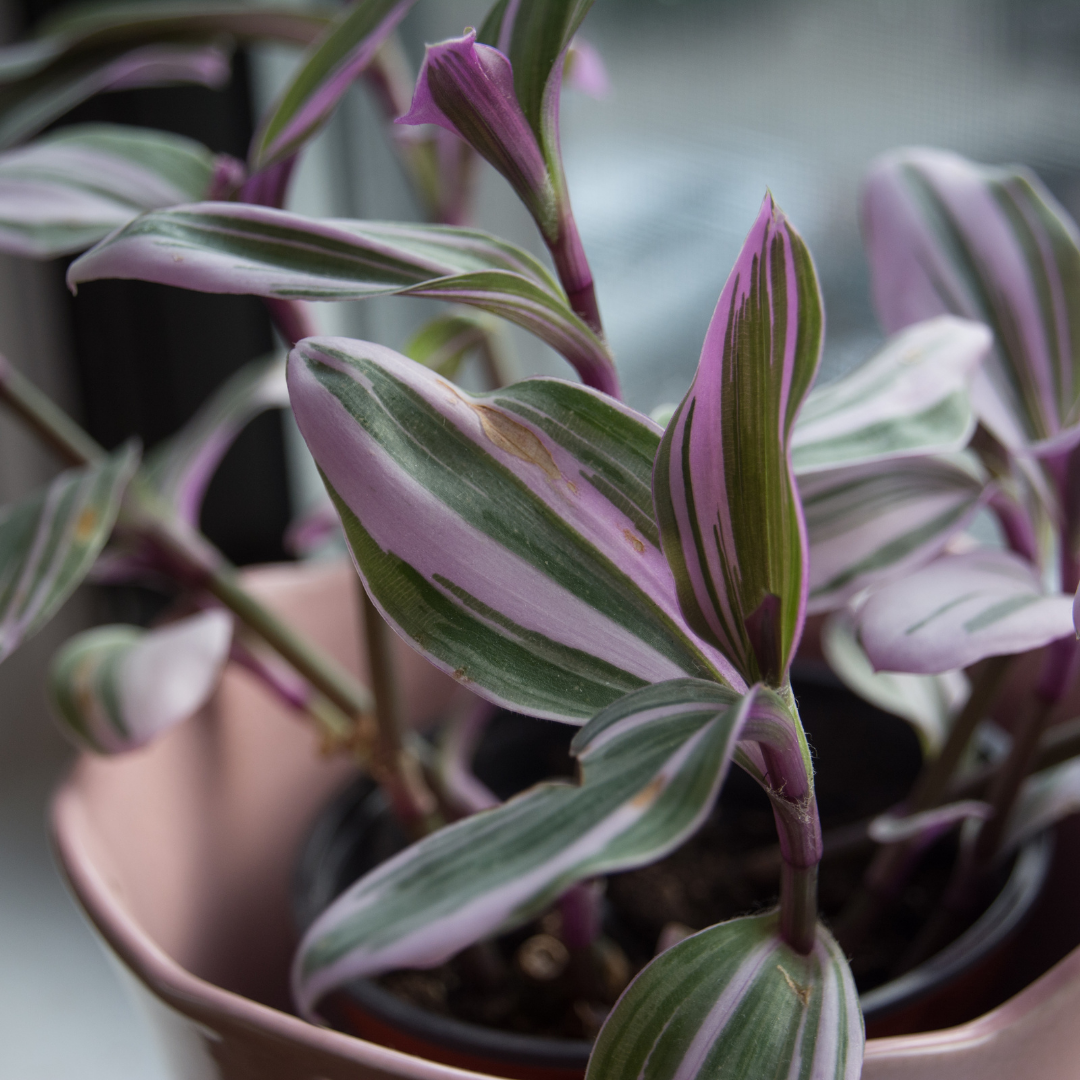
725 498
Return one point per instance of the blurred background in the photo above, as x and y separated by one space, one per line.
711 103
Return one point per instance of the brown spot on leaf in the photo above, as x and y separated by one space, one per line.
636 543
649 794
84 527
801 992
460 675
516 439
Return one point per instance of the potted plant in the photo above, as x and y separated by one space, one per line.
557 552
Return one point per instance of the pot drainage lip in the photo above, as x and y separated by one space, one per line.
461 1035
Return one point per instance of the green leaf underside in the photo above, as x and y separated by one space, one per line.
49 542
646 781
1013 192
480 645
734 1000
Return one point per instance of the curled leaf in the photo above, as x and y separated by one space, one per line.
725 496
116 688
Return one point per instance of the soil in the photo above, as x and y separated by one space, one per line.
528 982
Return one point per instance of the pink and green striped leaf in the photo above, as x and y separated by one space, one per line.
992 244
909 398
181 468
331 66
49 542
960 609
736 1000
927 702
64 192
509 536
116 688
80 29
29 105
231 248
725 496
651 767
870 523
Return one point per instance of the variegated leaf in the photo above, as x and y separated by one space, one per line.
651 766
181 468
927 702
229 248
736 1000
49 542
328 70
116 688
960 609
909 398
508 535
871 523
725 498
992 244
29 105
66 191
1045 798
80 29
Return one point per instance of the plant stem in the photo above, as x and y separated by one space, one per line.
1006 785
970 872
937 774
396 770
798 826
892 863
45 419
291 318
798 906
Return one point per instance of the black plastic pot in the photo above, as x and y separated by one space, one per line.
356 832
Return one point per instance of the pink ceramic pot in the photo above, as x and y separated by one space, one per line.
182 855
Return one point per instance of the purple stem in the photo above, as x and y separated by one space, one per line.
291 318
798 826
580 910
270 186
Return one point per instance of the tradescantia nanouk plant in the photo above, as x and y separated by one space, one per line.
553 550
